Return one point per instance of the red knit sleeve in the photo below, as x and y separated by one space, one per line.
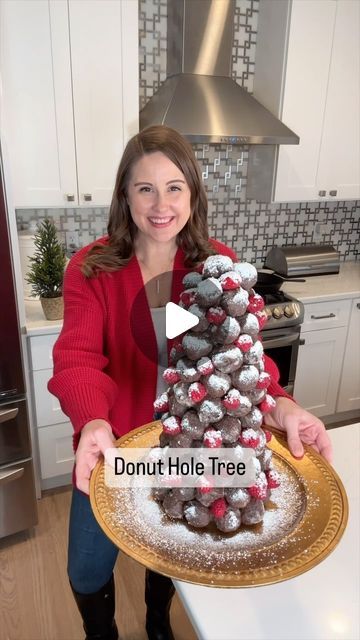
275 389
85 392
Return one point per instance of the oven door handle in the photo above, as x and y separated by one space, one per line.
284 341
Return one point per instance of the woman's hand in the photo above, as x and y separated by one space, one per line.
96 437
300 426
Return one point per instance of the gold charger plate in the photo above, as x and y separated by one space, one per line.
304 521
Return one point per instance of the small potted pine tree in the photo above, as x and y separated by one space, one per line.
46 272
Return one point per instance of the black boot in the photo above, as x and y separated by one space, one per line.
159 591
97 611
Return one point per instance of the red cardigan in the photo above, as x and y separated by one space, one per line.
99 370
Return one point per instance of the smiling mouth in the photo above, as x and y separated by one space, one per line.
161 222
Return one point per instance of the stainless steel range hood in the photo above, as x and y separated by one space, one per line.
199 98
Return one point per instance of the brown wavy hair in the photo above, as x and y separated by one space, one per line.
193 238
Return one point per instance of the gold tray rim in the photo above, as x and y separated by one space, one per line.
282 571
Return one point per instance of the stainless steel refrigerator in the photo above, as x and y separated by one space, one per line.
18 508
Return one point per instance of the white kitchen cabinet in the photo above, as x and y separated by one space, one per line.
321 352
53 429
41 348
349 392
69 97
47 407
104 60
56 450
36 102
307 73
339 159
318 370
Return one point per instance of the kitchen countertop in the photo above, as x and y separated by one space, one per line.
321 604
36 323
345 284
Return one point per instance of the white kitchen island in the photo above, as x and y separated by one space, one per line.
321 604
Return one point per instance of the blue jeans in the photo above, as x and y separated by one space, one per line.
91 555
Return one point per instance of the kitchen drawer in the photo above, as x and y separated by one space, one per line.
14 431
47 406
326 315
56 450
18 508
41 351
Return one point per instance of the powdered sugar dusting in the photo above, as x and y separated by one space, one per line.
143 517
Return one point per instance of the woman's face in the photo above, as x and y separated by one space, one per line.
158 197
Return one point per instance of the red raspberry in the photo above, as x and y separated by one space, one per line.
197 392
264 380
212 438
170 375
259 489
218 508
232 399
229 282
262 318
172 426
268 435
256 303
244 342
162 403
205 366
268 404
216 315
205 485
249 438
273 479
187 297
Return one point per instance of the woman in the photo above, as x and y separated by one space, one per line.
106 384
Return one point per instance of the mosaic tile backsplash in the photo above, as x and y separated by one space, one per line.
249 227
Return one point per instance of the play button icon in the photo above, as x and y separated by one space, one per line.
164 320
178 320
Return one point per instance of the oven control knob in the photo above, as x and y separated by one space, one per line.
289 310
278 312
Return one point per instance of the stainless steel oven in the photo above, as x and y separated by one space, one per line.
282 346
281 334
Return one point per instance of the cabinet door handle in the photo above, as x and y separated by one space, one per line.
301 342
87 197
330 315
358 305
322 194
70 197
